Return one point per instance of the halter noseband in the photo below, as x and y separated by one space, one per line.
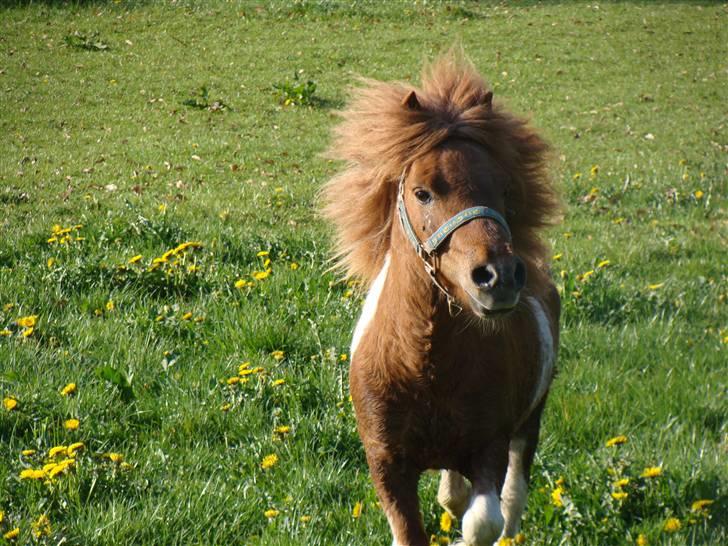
427 251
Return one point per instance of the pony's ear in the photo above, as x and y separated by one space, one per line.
411 102
488 100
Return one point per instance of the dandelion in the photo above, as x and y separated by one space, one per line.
187 315
41 526
356 511
520 538
261 275
603 264
594 171
69 389
74 447
59 468
576 176
162 208
57 450
343 357
116 458
5 332
701 505
233 380
642 540
262 253
278 382
27 332
621 483
655 286
672 525
226 406
27 322
305 519
445 522
135 259
12 534
698 194
617 440
619 495
10 403
271 513
585 276
294 266
269 461
28 452
32 474
71 424
651 472
240 283
50 262
278 355
557 257
282 429
556 498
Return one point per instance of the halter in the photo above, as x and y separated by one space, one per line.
427 251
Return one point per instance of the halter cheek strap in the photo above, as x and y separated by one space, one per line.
427 251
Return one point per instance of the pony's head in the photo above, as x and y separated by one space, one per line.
445 148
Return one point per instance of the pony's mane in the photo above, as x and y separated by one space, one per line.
380 136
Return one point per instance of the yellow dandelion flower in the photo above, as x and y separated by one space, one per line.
27 332
584 276
557 257
55 451
642 540
651 472
304 519
10 403
260 275
240 283
12 534
269 461
445 522
226 406
41 526
556 498
278 355
266 263
343 357
110 305
5 332
619 495
187 315
50 262
135 259
520 538
244 366
116 458
69 389
621 483
594 171
617 440
283 429
71 424
294 266
27 322
60 467
698 194
655 286
74 447
603 263
576 176
262 253
356 511
672 525
278 382
28 452
700 505
271 513
32 474
2 516
233 380
8 306
162 208
258 369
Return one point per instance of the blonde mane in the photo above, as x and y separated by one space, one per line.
380 136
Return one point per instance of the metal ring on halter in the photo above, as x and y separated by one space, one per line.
428 250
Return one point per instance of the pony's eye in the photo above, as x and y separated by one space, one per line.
423 196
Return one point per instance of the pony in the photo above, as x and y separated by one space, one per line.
439 211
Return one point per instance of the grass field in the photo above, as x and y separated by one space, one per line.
114 154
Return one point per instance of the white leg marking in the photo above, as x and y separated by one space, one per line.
483 520
453 493
515 489
546 352
370 306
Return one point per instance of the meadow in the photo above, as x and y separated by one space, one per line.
174 346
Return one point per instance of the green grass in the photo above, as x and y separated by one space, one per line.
104 119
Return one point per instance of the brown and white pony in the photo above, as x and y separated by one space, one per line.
454 352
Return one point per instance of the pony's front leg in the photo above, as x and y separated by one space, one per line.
483 520
396 486
520 457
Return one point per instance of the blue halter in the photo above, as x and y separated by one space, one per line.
427 251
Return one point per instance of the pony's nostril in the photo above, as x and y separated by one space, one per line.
485 276
519 274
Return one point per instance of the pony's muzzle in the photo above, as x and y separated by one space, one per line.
499 282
